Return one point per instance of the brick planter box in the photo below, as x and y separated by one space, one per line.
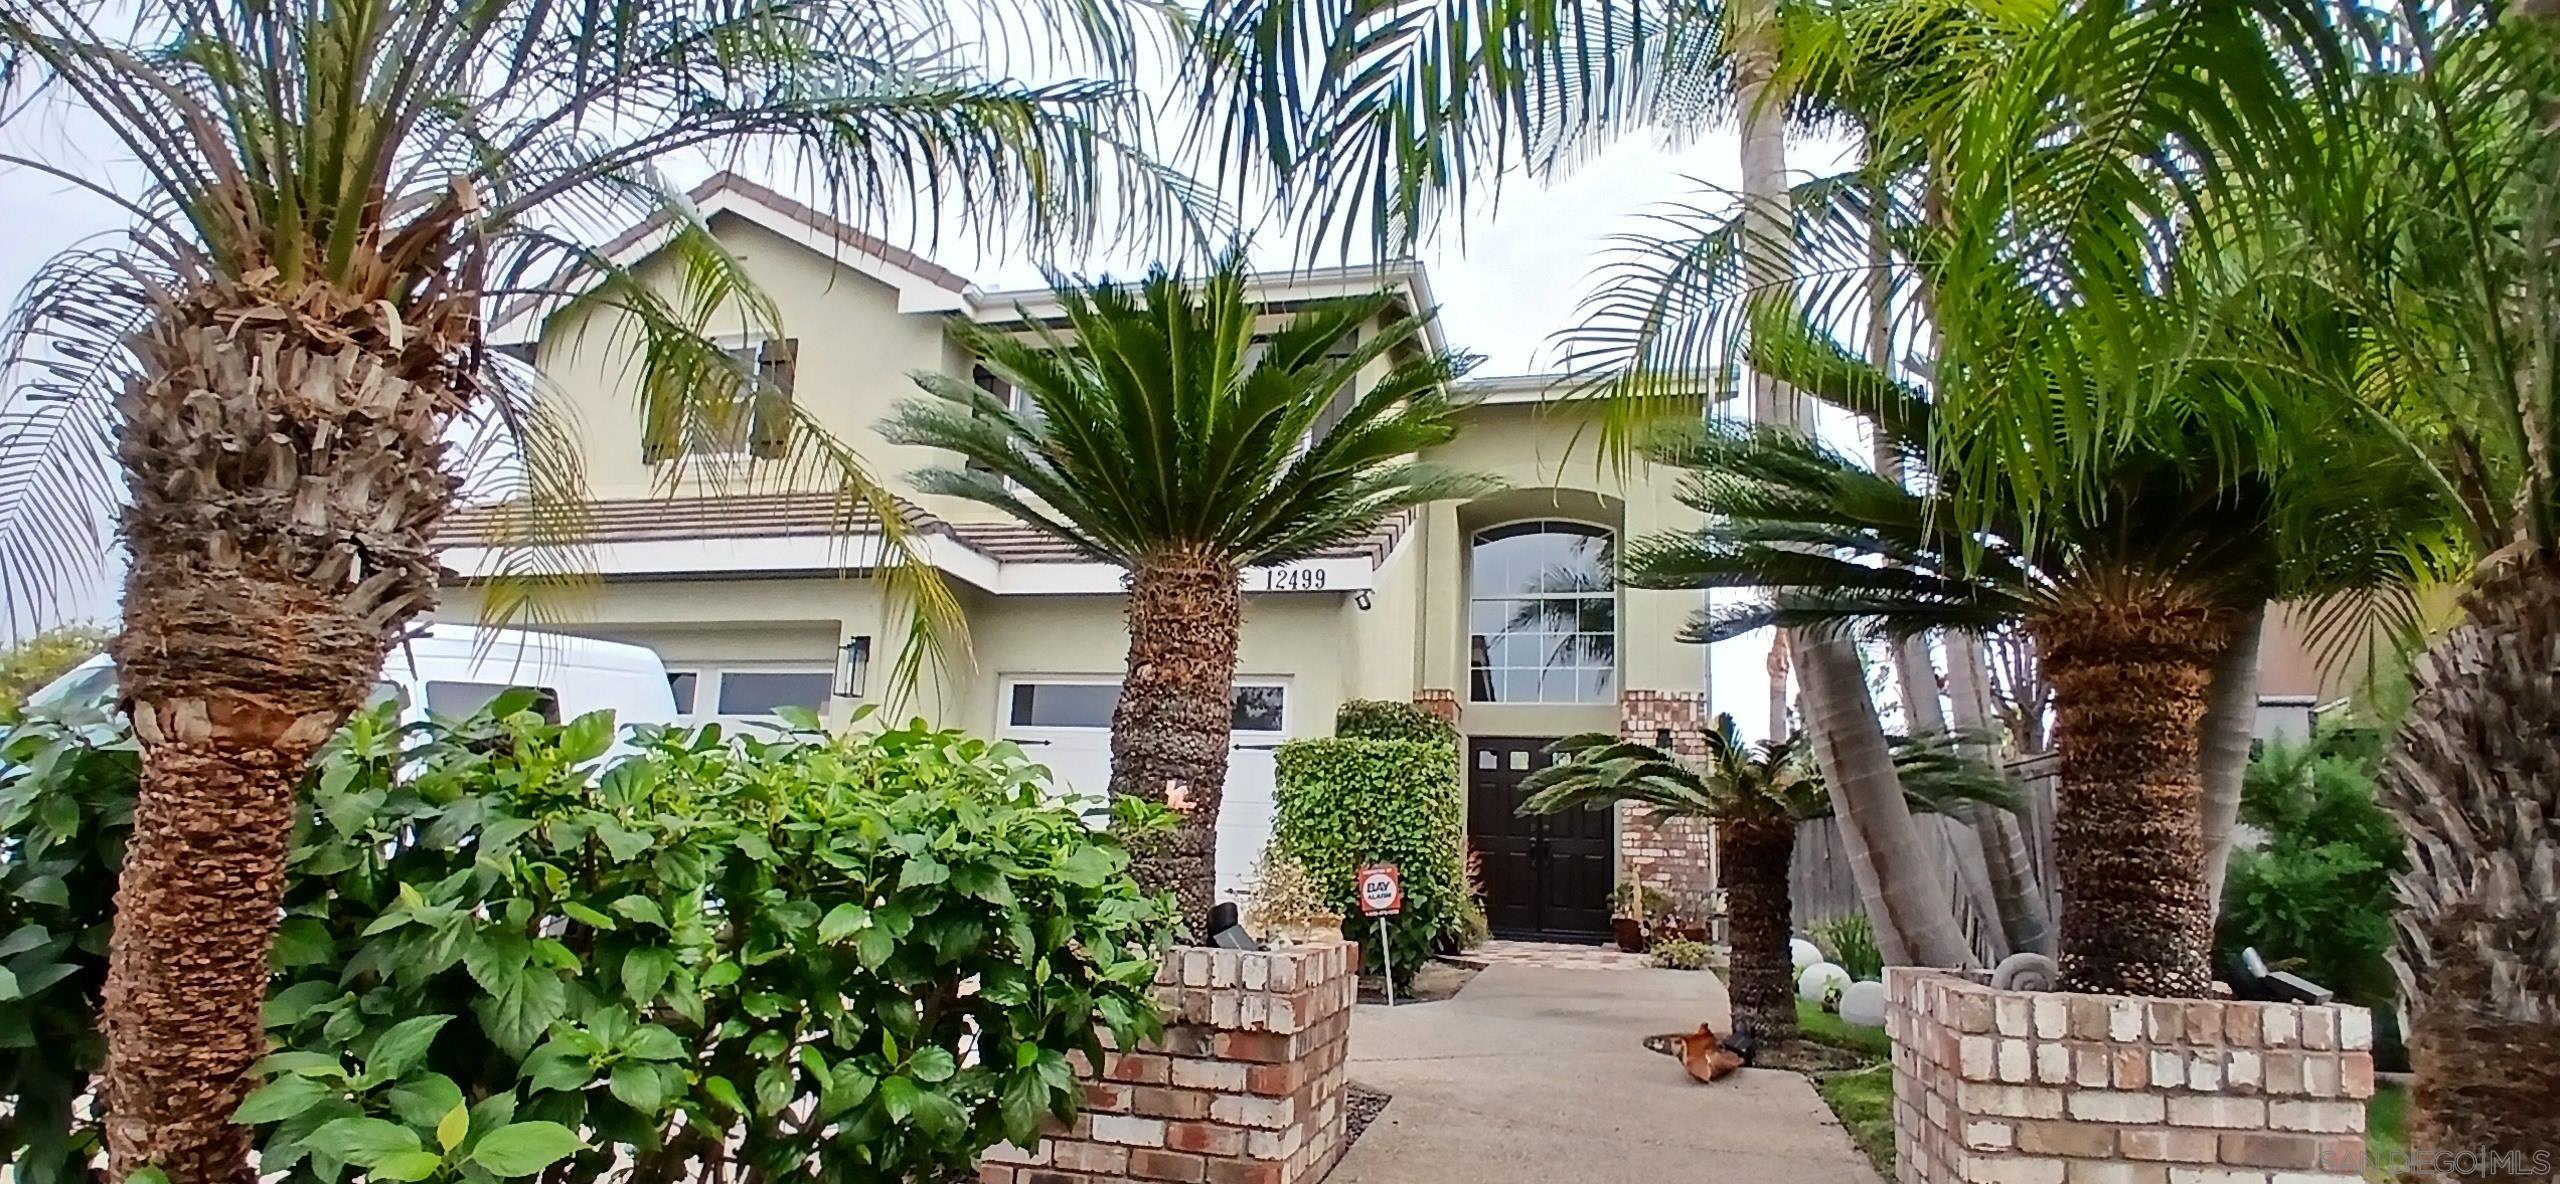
2017 1087
1244 1088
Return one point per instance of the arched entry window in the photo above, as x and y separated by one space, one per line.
1542 614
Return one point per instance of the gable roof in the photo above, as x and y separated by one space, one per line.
922 284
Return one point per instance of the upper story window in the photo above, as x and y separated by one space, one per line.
762 426
1542 614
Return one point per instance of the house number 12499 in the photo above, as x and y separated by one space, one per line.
1293 579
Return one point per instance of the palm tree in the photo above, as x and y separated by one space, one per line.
2129 600
1755 795
2389 174
284 350
1161 431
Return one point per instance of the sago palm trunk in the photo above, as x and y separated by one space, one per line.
2474 783
2131 661
284 472
1754 860
1170 732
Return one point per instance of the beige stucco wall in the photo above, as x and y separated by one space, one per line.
856 354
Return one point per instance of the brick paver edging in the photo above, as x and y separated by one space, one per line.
2019 1087
1245 1087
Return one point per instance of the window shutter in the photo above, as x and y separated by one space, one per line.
657 441
776 369
987 381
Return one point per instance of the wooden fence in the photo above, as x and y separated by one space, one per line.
1824 885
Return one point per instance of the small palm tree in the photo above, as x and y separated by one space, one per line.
1163 432
1755 795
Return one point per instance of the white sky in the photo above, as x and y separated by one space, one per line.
1505 294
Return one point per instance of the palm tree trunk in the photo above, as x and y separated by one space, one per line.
2132 662
2023 917
1755 860
2478 954
1914 924
1897 877
2230 723
1169 733
283 477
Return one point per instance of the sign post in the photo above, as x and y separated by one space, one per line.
1382 896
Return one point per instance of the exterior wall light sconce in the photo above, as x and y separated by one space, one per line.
853 668
1362 599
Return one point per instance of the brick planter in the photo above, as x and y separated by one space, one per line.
2017 1087
1244 1088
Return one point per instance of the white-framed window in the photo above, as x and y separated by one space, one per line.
749 692
1085 704
1542 613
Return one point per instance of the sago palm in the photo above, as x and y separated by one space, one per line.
2395 192
2129 597
284 350
1755 794
1160 429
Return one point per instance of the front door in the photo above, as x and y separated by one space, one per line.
1546 876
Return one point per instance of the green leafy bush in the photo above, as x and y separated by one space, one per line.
1386 719
1678 953
1850 940
2316 898
856 959
1344 804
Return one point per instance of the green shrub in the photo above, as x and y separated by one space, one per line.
2316 898
1850 940
512 958
1678 953
1344 804
1386 719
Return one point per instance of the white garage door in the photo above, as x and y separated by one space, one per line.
1065 723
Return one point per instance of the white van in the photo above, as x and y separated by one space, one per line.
454 670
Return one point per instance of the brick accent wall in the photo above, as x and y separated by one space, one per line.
1672 854
2016 1087
1439 701
1245 1087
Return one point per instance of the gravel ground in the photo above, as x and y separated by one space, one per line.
1360 1106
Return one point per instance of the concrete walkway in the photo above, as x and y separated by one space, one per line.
1537 1076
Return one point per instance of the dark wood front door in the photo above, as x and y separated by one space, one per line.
1546 876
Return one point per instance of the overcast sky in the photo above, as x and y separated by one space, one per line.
1505 294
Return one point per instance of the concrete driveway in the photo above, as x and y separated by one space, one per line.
1537 1075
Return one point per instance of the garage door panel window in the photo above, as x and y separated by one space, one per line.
1259 707
754 692
763 692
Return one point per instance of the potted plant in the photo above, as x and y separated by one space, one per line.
1635 911
1287 908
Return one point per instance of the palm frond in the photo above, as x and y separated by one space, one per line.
1158 419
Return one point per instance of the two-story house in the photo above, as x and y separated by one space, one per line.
1499 613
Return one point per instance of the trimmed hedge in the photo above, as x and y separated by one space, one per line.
1346 803
1386 719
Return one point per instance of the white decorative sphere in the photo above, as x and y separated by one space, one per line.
1817 981
1863 1004
1803 952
